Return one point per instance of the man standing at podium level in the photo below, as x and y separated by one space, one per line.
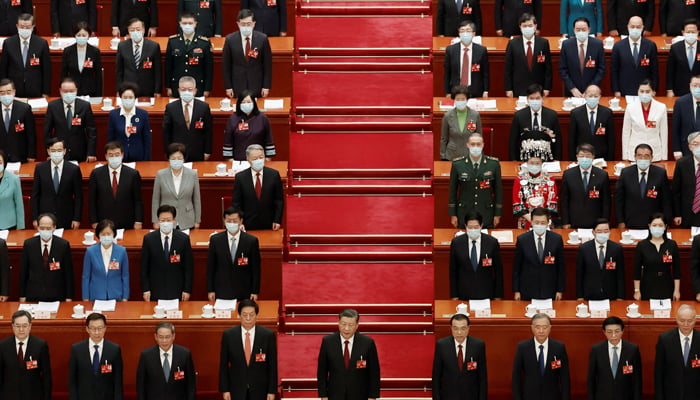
459 364
25 58
677 368
686 197
247 59
189 54
541 365
348 366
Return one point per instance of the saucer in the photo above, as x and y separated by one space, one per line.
208 315
89 243
616 108
76 316
529 315
567 108
226 109
220 174
106 108
576 242
158 316
637 315
586 315
627 241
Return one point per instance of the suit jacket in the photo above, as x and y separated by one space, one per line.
67 204
518 76
683 123
694 265
259 213
479 61
484 283
531 276
672 378
99 284
38 282
449 383
209 21
453 139
569 65
448 17
529 384
126 207
197 137
4 269
80 137
678 72
9 14
65 13
124 10
581 207
89 80
624 386
253 74
570 10
151 383
149 75
522 121
594 282
258 378
270 20
620 11
507 13
672 13
20 142
636 131
626 73
166 278
187 201
17 383
229 279
602 139
336 382
83 384
633 209
137 147
34 78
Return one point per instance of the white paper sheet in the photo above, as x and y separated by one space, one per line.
551 166
58 232
120 234
578 101
503 236
585 234
188 165
48 306
173 304
542 304
38 103
660 304
599 305
639 234
273 104
486 104
26 307
130 164
4 234
480 304
104 305
631 99
694 230
13 167
222 304
186 232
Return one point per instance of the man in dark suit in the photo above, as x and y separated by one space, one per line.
4 271
672 13
29 379
533 118
233 262
675 368
167 264
476 271
467 63
247 59
685 119
593 124
459 364
528 60
541 365
642 190
70 119
47 266
538 267
584 194
189 55
508 12
450 14
582 60
124 11
9 13
207 13
353 372
633 60
139 61
683 61
166 371
66 13
95 369
115 192
270 16
248 361
615 366
26 61
18 131
188 121
620 12
57 188
686 202
600 266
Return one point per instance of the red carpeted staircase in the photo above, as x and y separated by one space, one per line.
360 207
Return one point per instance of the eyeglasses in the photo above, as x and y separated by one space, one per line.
22 326
97 329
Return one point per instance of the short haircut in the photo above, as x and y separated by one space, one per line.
601 221
460 89
134 20
245 13
81 26
527 17
125 86
188 14
473 215
53 141
540 211
643 146
690 21
349 313
7 81
693 135
176 148
467 23
646 82
233 210
686 307
94 317
186 79
613 321
104 224
167 325
459 317
584 19
475 134
242 95
113 146
68 79
585 147
540 316
20 314
534 88
25 17
248 303
164 208
253 147
49 216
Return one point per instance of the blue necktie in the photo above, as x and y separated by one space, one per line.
635 54
592 122
69 116
615 361
56 179
233 250
475 261
459 7
585 181
7 120
643 184
535 123
96 360
166 367
540 360
691 57
166 249
686 350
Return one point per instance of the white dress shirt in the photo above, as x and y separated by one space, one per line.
477 244
464 348
100 348
610 351
106 256
177 179
252 338
690 342
170 356
545 349
342 344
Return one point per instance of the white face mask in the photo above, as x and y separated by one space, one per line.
24 33
232 227
166 227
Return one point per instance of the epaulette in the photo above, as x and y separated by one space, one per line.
173 36
203 38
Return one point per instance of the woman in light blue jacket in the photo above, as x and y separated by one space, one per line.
571 9
106 267
11 205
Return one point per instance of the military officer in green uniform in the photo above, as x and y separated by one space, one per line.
208 13
189 55
475 185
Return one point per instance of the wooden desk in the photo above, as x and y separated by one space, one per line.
503 332
132 326
270 253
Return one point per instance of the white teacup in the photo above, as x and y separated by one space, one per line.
225 104
626 236
207 309
78 310
609 41
89 237
114 42
221 168
573 237
462 308
633 309
159 311
107 102
581 309
55 43
619 167
615 103
568 103
530 310
520 103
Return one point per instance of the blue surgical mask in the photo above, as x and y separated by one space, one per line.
691 38
643 164
136 36
602 237
581 36
592 102
695 91
535 105
106 240
128 103
476 151
187 29
528 31
81 40
177 164
7 99
247 108
246 30
534 169
232 227
585 162
69 97
461 105
657 231
56 156
696 152
114 162
473 233
635 33
645 98
24 33
539 229
186 96
45 234
466 37
166 227
258 164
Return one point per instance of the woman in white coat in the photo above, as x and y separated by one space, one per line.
645 122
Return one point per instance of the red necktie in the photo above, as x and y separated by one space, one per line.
247 48
696 198
258 185
581 57
529 55
466 66
346 355
247 348
45 255
20 356
114 183
460 358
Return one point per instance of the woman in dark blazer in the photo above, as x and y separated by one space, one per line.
106 282
136 137
657 264
247 126
83 63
